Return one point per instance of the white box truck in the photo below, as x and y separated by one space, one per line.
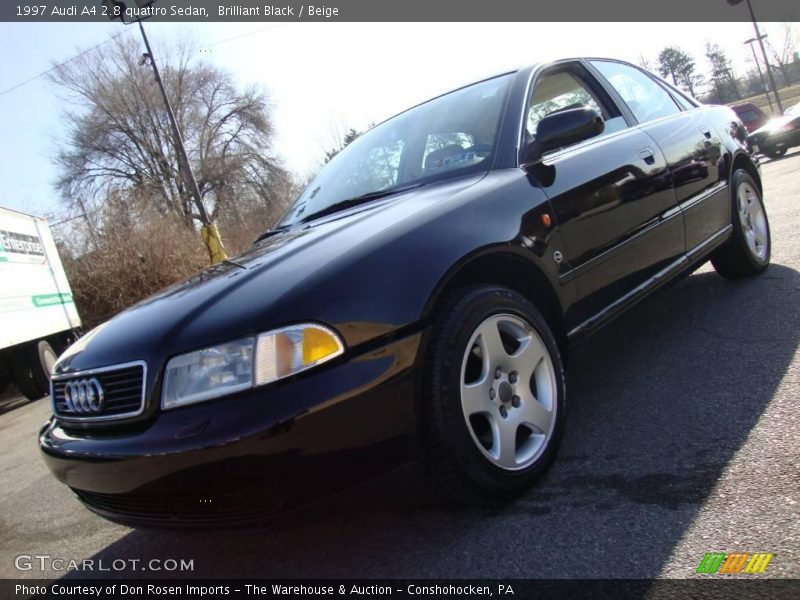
38 318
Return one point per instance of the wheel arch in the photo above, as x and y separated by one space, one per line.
741 160
510 268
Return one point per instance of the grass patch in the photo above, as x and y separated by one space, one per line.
789 97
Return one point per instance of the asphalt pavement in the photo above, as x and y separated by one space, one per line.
683 437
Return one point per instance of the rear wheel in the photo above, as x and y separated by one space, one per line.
32 367
747 252
494 395
775 152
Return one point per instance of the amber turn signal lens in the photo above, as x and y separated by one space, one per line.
318 344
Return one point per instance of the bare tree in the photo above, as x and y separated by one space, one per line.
645 63
119 140
784 54
344 140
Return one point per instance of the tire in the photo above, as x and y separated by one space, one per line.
31 368
471 397
775 152
747 252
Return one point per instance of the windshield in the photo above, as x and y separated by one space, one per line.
748 116
446 137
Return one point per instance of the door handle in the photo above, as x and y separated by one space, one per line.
706 132
647 155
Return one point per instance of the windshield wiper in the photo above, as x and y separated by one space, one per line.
342 204
229 261
271 232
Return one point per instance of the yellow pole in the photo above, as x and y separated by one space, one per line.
208 232
210 236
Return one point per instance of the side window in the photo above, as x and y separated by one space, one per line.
683 101
646 99
563 90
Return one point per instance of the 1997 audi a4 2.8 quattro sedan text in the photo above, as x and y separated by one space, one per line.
417 301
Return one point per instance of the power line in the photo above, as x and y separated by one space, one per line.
202 47
56 66
241 35
113 37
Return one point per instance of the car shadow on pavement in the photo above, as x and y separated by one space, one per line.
660 402
11 401
789 154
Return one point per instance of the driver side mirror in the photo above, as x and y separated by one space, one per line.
561 129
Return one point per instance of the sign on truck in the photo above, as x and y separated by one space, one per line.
38 318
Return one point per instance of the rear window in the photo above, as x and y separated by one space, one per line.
748 116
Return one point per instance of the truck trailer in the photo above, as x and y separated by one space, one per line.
38 317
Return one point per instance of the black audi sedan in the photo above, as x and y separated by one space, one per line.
416 303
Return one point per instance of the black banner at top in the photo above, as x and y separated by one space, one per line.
400 11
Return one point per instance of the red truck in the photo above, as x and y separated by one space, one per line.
752 116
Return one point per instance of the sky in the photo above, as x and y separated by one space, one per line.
321 78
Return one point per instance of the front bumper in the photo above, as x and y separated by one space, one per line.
776 141
238 460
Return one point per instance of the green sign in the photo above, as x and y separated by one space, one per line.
50 299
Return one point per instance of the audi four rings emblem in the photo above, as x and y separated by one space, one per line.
84 396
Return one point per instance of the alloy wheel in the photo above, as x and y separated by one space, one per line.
753 220
508 391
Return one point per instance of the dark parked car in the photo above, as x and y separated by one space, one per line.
416 303
751 116
779 134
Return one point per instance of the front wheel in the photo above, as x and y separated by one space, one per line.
494 395
747 252
775 152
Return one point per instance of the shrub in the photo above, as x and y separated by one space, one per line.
128 259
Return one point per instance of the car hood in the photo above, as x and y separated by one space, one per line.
774 124
278 280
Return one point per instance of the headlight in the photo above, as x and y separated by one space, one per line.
242 364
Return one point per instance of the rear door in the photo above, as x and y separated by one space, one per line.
691 146
612 196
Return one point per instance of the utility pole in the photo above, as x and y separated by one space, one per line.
760 73
760 39
89 226
208 231
85 217
183 160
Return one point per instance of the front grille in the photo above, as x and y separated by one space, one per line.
122 389
232 509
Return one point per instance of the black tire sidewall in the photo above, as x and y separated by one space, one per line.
40 370
24 373
739 177
480 304
29 370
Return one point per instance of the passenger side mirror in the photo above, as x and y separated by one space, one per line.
561 129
